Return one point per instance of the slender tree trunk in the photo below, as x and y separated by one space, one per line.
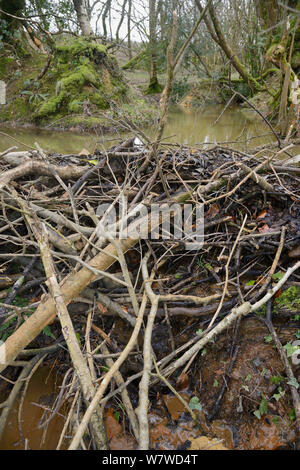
154 86
129 29
104 17
82 16
121 20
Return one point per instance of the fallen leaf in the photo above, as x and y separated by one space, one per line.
278 294
182 381
204 443
262 215
113 427
213 211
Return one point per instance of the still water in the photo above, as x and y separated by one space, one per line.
185 126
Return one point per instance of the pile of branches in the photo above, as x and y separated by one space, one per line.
57 250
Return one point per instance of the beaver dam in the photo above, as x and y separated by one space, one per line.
161 295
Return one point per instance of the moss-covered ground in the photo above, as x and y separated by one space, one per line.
83 87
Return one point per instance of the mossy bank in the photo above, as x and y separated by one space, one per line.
81 86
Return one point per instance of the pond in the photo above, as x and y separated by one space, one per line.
185 125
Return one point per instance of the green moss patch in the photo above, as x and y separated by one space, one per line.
4 63
83 81
289 299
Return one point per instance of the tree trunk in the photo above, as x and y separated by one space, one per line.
104 17
82 16
219 38
121 20
129 29
154 86
268 12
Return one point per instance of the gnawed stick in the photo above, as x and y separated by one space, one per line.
78 360
37 167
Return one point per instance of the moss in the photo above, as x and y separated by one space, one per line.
98 100
81 46
50 106
289 299
134 62
4 62
154 88
75 107
296 61
275 53
78 87
82 73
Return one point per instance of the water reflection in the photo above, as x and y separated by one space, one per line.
194 126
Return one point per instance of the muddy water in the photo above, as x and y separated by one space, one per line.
42 390
185 125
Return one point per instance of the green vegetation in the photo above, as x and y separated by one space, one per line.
82 87
289 299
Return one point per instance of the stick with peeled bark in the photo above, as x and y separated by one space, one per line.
78 360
